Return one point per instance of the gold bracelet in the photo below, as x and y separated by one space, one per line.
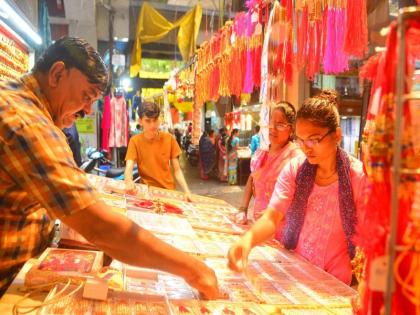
243 209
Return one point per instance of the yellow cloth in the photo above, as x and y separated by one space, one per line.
152 26
184 107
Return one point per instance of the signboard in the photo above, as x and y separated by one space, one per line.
86 125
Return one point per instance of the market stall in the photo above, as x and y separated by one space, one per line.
277 281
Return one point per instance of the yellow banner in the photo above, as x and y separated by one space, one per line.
152 26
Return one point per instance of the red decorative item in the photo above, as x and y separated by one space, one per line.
204 310
172 209
356 37
373 234
302 38
146 204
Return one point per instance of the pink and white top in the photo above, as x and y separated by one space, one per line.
322 240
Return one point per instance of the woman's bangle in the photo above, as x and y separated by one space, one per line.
243 209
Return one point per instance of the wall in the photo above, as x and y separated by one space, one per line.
80 15
299 90
121 19
30 9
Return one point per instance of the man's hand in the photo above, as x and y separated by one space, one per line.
130 188
204 280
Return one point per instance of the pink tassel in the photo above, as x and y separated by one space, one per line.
330 48
335 60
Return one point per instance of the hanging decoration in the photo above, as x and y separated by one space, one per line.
356 36
230 62
378 136
263 47
152 26
335 60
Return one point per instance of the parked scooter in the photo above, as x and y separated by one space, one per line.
186 141
94 159
97 158
192 154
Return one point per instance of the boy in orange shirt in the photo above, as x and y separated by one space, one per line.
154 151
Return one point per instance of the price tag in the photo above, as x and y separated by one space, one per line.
254 17
233 38
378 274
258 29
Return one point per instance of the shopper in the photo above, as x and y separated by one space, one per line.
178 136
155 152
40 182
189 129
207 151
135 106
318 198
221 154
267 165
255 140
72 136
232 157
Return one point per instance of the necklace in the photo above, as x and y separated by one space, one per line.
328 177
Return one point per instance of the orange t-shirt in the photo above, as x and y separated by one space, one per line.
152 157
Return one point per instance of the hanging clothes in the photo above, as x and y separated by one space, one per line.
106 123
118 135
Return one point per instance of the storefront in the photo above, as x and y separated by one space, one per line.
372 229
18 42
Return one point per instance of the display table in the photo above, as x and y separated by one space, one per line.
276 281
17 290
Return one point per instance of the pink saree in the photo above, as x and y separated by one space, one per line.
265 169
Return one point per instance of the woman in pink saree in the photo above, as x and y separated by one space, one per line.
221 154
267 165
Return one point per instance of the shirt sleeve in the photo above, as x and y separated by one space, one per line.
285 187
235 142
131 150
40 162
175 149
253 145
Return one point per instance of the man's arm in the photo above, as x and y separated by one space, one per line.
122 239
180 178
130 188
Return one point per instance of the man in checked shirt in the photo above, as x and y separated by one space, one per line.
39 180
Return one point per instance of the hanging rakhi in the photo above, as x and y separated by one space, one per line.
302 37
356 34
314 38
335 59
373 232
257 42
233 62
225 60
249 20
240 26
